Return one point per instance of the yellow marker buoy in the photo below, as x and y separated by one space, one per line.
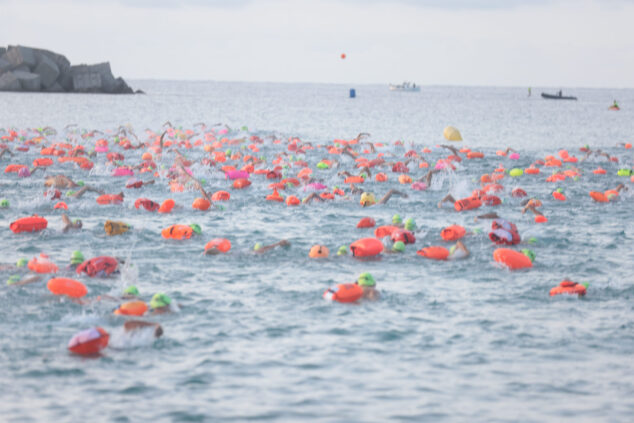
452 134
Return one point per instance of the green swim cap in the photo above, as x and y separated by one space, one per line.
21 262
366 279
13 279
160 300
202 181
196 228
559 190
529 253
257 246
586 284
624 172
410 224
343 250
322 165
397 219
4 203
228 152
69 193
131 290
80 183
532 240
477 231
76 257
399 246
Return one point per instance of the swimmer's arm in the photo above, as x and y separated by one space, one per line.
491 215
389 194
27 281
533 209
449 147
447 197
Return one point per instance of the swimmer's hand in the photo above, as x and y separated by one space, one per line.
284 243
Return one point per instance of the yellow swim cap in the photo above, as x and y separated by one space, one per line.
367 199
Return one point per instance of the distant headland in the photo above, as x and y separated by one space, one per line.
27 69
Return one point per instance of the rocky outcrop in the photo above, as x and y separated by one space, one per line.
32 69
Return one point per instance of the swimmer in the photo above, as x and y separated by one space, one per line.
15 280
458 251
69 225
60 181
490 215
366 281
84 189
134 325
367 198
76 259
397 221
161 303
260 249
130 293
447 198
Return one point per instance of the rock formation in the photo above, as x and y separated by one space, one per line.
31 69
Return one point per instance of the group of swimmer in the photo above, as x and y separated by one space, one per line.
354 163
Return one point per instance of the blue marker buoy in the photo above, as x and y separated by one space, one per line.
353 93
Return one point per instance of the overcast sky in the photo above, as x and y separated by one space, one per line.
587 43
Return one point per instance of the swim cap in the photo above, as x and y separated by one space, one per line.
366 279
586 284
343 250
76 257
76 221
4 203
529 253
532 240
131 290
13 279
80 183
21 262
477 231
560 190
397 219
399 246
367 199
257 246
202 181
160 300
196 228
69 193
410 224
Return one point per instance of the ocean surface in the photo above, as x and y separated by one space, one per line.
252 339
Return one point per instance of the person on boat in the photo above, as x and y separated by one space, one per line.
559 93
529 91
368 199
260 249
615 105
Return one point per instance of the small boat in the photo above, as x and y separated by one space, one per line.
614 108
405 86
557 96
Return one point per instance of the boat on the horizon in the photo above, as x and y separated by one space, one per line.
405 86
557 96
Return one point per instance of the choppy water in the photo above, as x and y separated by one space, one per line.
254 340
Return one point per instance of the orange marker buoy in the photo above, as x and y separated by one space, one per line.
29 224
66 286
167 206
568 287
344 293
318 251
131 308
220 196
292 200
540 219
599 197
366 247
512 259
201 204
221 245
366 222
434 252
241 183
89 341
453 233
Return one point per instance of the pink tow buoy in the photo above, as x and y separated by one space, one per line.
514 156
123 171
315 186
419 186
237 174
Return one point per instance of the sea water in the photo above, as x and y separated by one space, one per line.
254 339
